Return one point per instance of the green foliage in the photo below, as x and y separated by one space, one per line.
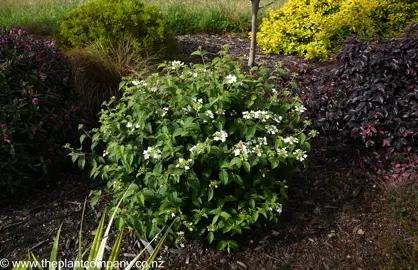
315 28
108 22
37 112
208 146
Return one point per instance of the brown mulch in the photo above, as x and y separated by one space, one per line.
336 217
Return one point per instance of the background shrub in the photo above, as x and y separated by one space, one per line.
374 94
36 111
207 146
107 22
316 28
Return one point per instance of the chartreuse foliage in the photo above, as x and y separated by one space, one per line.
207 146
314 28
107 22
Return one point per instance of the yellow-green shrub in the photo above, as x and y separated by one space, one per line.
109 21
314 28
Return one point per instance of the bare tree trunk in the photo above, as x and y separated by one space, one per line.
255 5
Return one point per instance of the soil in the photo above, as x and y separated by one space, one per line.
336 217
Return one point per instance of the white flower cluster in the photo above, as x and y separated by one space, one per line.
140 83
300 154
151 152
176 64
129 125
260 115
279 209
282 152
272 129
187 109
254 146
165 110
198 100
198 148
154 89
184 164
209 114
291 140
220 136
231 78
300 109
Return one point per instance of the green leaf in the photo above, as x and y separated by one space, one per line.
250 132
235 161
247 166
223 176
221 245
210 237
302 138
252 203
307 147
115 251
238 180
82 137
255 216
232 244
210 194
54 252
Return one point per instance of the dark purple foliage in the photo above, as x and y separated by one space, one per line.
35 109
373 96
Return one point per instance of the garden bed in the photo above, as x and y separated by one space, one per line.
339 215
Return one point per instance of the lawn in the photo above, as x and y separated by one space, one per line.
184 17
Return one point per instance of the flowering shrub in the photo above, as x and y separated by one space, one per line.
316 28
35 113
374 96
108 22
207 146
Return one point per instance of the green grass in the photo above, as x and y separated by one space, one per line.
184 17
210 16
38 16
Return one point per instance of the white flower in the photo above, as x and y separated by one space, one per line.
186 168
272 129
300 155
280 209
193 148
137 126
209 113
135 83
285 186
156 154
220 136
291 140
300 109
105 153
129 125
237 152
231 78
176 64
181 160
195 75
173 215
154 89
271 209
274 91
282 152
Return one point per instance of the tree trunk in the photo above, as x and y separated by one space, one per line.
255 5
